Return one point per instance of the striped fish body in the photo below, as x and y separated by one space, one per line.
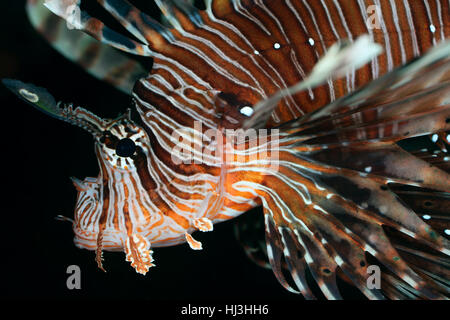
248 50
325 172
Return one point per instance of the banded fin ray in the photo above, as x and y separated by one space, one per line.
100 60
81 20
179 12
337 211
139 24
436 158
433 66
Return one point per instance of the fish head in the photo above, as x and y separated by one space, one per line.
114 211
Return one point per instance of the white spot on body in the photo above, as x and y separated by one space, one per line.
277 45
311 41
447 232
432 28
426 217
248 111
368 169
434 138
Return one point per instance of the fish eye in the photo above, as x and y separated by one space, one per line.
125 147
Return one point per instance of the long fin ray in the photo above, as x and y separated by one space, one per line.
81 20
100 60
338 208
181 14
141 25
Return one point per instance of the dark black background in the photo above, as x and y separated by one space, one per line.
39 155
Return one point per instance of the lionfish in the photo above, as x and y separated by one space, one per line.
342 83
